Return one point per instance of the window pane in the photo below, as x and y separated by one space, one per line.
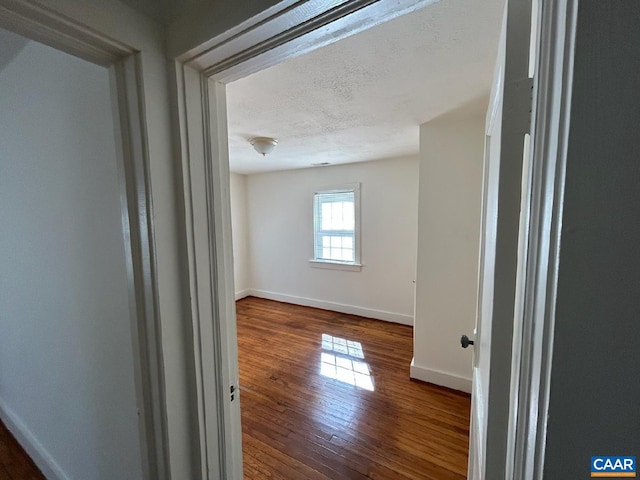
348 216
325 216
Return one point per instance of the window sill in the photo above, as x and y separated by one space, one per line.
351 267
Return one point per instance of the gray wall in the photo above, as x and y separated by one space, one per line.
595 385
197 21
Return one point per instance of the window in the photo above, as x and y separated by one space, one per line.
335 220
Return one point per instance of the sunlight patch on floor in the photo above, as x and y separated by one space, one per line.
341 360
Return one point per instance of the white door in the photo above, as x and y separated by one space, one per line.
482 332
507 123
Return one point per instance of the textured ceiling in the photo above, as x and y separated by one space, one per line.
364 97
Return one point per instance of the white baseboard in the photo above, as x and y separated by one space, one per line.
243 293
336 307
40 456
438 377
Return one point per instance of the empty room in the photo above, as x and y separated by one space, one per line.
356 190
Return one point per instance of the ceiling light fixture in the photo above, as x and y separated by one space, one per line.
263 145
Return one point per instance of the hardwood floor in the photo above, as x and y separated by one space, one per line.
15 464
327 396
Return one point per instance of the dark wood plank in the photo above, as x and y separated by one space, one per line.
15 464
300 423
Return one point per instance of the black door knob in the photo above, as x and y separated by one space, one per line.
465 342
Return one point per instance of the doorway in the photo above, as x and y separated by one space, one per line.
69 208
66 343
206 184
318 108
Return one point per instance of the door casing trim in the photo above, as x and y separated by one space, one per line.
551 117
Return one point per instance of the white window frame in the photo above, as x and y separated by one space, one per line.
337 264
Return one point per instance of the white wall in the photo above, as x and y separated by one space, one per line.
280 207
112 18
240 228
66 360
451 153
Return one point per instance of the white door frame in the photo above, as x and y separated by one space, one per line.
539 239
545 176
282 32
510 104
125 69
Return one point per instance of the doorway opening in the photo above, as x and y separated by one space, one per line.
72 199
319 108
70 342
